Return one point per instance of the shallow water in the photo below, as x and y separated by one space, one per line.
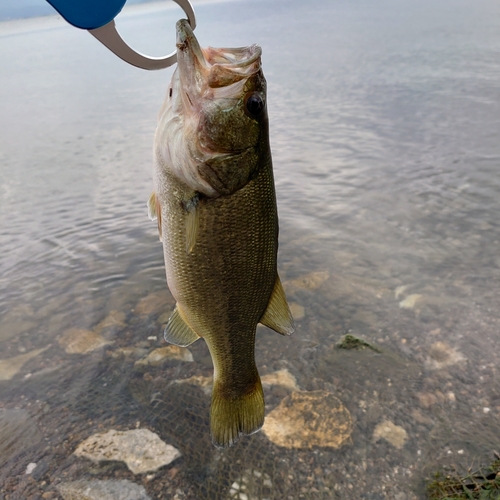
385 134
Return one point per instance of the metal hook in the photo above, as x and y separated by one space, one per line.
109 36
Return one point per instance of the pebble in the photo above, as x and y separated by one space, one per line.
133 352
442 355
97 489
11 366
281 377
307 419
298 312
30 468
205 383
78 341
162 354
142 450
310 281
420 418
393 434
112 320
153 303
411 301
426 399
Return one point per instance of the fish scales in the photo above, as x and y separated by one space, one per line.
216 207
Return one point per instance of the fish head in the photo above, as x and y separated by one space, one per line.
213 127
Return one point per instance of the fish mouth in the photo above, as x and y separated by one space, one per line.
211 68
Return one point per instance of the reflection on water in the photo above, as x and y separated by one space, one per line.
385 133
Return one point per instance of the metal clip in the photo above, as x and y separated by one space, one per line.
109 36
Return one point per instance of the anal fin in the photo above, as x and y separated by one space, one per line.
278 316
178 332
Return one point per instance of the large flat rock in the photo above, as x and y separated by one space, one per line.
142 450
308 419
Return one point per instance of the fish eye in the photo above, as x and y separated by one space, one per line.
254 104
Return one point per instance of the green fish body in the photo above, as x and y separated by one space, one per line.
215 203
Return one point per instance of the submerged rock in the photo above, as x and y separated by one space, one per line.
163 354
411 301
442 355
308 419
126 352
155 302
113 320
97 489
298 312
30 468
393 434
205 383
310 281
141 449
426 399
78 341
281 377
10 366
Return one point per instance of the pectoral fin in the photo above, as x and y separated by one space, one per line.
178 332
278 316
154 211
192 221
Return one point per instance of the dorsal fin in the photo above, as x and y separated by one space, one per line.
177 331
278 316
154 211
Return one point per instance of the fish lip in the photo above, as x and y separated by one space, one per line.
185 37
201 68
188 49
191 64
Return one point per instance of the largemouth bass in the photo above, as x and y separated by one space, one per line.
215 203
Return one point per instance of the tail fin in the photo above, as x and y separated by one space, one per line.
232 417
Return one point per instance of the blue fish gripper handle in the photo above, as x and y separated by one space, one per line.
88 14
